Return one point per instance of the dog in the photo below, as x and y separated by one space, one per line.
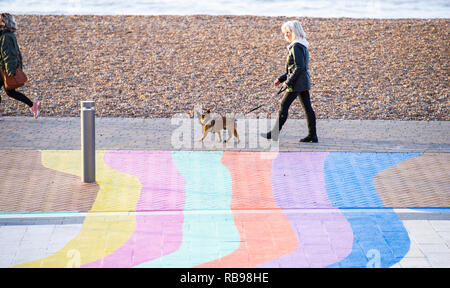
217 124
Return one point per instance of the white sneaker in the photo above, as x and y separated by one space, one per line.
36 109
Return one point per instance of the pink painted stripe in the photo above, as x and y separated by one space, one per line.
298 182
162 190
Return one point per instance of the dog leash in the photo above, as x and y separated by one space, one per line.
282 89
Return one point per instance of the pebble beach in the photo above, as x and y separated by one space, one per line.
158 66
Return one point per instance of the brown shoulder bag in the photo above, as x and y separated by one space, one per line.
17 80
14 81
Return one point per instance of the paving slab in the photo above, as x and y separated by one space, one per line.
181 133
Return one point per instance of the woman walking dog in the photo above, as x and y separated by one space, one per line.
296 80
11 59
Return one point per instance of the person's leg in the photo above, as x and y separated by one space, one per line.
283 113
19 97
305 99
34 106
284 108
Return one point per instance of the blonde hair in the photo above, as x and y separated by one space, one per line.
295 28
7 22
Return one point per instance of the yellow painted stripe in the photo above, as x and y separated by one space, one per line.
101 233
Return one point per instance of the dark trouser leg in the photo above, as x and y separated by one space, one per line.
19 96
286 102
283 113
310 115
310 118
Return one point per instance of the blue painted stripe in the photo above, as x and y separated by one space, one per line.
349 183
206 235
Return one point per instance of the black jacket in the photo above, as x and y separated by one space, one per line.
10 56
297 71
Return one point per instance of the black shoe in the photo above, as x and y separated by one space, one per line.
269 136
310 138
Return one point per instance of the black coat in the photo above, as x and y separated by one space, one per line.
10 56
297 72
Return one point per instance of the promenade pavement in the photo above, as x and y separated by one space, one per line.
369 194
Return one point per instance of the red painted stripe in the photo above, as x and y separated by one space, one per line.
266 233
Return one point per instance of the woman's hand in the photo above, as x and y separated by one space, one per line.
277 83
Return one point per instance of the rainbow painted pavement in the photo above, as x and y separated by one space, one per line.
223 208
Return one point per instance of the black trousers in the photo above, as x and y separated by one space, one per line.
16 95
286 102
